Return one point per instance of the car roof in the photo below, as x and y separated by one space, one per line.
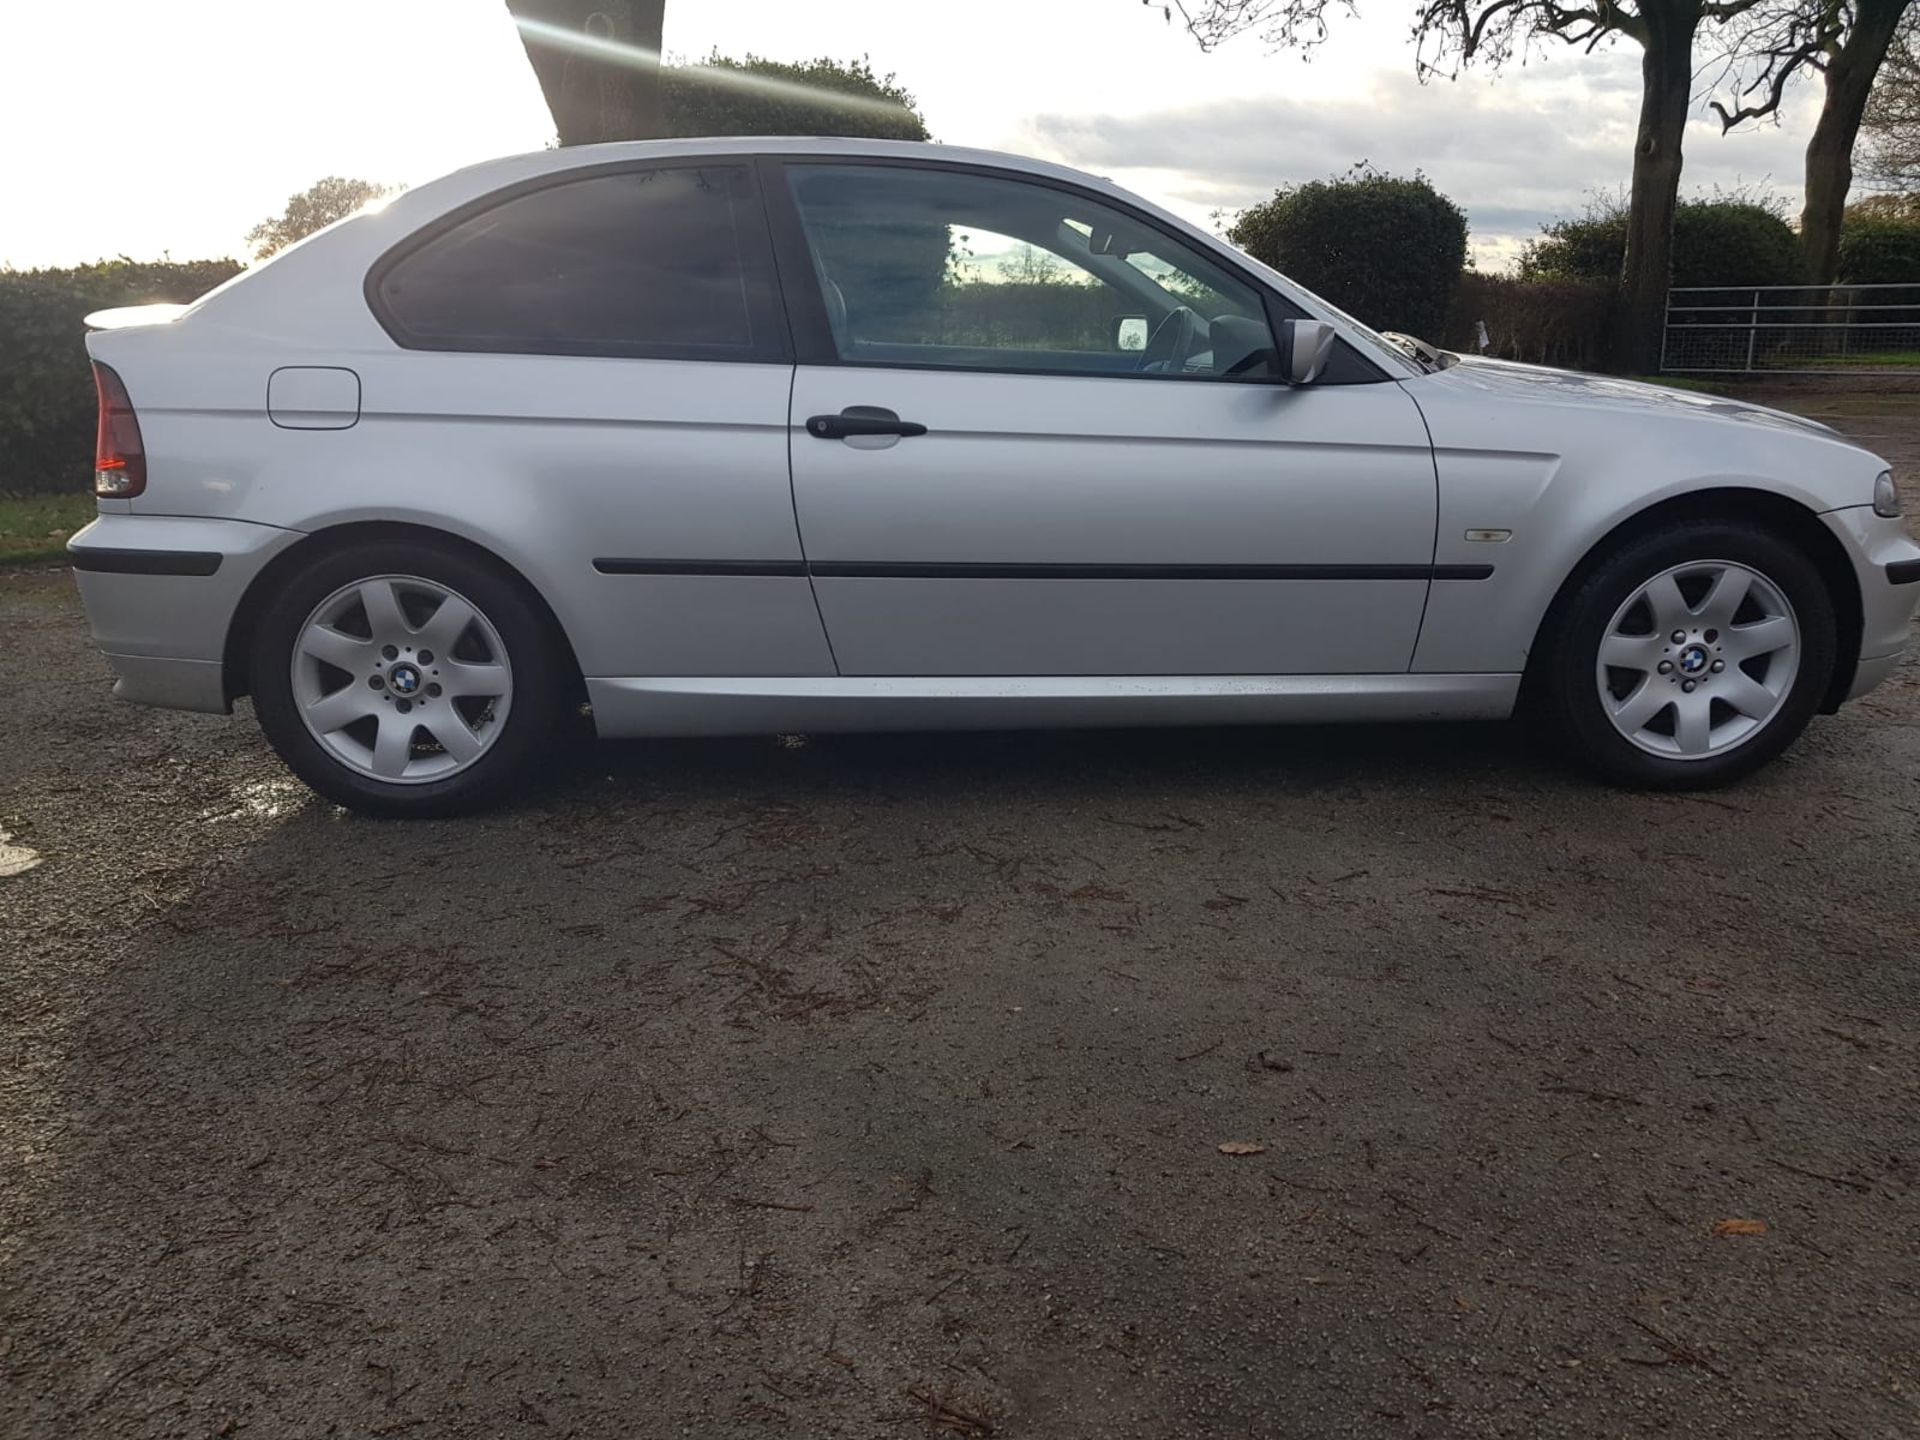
488 175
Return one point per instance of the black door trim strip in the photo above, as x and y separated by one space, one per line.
1903 572
144 562
701 567
942 570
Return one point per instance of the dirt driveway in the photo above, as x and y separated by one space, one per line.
875 1087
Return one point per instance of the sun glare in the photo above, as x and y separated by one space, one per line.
639 55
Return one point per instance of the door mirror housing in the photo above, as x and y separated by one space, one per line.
1305 348
1130 332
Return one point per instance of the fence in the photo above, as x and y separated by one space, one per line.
1792 330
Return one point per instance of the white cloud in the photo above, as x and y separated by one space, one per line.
1511 154
196 119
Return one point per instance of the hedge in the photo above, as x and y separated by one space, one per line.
1543 322
1715 242
1876 251
699 100
1386 248
46 388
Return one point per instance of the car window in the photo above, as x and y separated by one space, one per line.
924 266
666 261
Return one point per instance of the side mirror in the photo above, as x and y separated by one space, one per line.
1130 332
1305 348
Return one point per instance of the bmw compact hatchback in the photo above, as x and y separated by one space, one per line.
737 436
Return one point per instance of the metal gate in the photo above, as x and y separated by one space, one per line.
1792 330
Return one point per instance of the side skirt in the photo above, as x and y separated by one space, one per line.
726 705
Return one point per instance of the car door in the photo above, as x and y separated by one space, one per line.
592 378
1035 433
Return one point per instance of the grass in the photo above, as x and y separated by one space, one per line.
34 528
1859 360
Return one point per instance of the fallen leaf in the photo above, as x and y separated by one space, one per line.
1241 1147
1739 1227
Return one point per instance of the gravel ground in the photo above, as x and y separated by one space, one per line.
876 1086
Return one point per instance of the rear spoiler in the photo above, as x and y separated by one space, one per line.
125 315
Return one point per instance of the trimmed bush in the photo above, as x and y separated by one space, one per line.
1386 248
1720 242
1542 322
1877 251
46 388
699 100
1715 242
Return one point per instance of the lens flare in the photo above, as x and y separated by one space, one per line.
639 56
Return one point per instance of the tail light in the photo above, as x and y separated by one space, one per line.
119 459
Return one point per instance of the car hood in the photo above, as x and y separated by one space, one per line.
1503 379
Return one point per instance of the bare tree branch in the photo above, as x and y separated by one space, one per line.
1774 42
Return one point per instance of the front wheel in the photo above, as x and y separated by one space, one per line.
1689 658
406 679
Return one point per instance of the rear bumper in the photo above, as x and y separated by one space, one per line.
171 684
161 592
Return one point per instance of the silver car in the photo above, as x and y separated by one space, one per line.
734 436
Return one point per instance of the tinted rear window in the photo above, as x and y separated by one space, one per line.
667 262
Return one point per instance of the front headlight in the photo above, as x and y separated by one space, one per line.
1886 496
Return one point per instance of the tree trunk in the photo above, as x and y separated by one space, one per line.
598 64
1850 76
1666 92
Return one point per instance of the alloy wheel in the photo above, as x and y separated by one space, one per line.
401 679
1698 659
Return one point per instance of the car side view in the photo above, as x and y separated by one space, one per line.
738 436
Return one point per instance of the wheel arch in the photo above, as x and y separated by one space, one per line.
1779 513
336 538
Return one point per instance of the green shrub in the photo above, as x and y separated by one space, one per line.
700 100
1723 241
46 388
1540 321
1387 248
1876 251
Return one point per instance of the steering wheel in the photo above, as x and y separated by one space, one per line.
1172 342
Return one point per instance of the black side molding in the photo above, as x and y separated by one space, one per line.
701 567
838 569
1904 572
951 570
144 562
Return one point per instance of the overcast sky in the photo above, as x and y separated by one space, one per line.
143 128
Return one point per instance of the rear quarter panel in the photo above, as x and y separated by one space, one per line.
546 461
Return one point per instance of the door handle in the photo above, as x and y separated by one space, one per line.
861 420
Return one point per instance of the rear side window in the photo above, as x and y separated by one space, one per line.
669 262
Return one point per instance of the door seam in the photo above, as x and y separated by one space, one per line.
793 499
1433 461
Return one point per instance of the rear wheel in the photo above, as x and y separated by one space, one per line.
1690 657
406 679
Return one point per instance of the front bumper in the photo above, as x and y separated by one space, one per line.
161 592
1883 556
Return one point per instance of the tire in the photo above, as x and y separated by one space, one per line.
352 693
1741 682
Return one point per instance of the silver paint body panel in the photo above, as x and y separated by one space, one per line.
1050 469
551 462
699 705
